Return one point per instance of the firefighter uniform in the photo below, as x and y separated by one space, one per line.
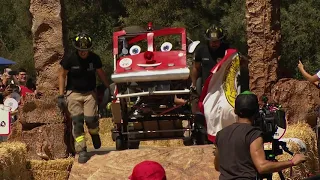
81 98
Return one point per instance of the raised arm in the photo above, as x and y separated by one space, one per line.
311 78
264 166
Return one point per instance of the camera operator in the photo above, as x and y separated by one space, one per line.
239 150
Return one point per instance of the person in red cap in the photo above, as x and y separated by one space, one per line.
148 170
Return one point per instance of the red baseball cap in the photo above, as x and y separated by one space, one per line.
148 170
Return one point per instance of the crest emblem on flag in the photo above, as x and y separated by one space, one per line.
231 85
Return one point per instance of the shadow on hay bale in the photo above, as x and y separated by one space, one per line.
105 133
304 132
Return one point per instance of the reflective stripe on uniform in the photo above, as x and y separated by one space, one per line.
80 138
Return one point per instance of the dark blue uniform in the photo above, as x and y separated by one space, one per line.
208 57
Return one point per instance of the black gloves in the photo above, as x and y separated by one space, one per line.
62 102
106 97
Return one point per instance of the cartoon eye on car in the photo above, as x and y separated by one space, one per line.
161 53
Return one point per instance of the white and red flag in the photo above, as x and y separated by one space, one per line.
219 93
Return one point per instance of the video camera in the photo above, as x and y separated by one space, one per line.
272 122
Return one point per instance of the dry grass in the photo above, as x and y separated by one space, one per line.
163 143
57 164
14 165
54 169
50 175
304 132
105 132
13 161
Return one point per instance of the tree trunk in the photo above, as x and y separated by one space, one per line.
48 43
263 39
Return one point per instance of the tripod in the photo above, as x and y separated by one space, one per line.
271 156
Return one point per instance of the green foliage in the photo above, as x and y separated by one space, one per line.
194 15
299 20
234 23
300 28
15 34
89 16
191 14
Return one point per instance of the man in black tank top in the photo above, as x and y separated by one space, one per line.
239 150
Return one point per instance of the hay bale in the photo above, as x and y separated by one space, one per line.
13 161
105 125
46 142
163 143
58 164
58 169
42 127
42 110
304 132
106 139
50 175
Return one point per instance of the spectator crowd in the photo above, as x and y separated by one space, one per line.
14 86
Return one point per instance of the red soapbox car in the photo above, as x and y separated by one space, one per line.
150 74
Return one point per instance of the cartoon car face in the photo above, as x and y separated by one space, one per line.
150 55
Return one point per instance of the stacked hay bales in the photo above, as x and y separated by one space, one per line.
42 127
13 161
14 165
305 133
43 130
47 170
106 139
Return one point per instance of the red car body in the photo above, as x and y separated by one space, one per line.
152 64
